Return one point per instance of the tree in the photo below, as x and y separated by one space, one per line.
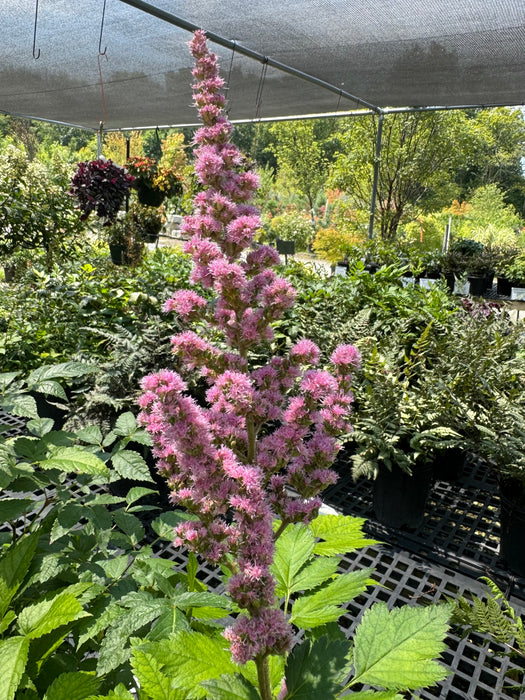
420 154
300 158
498 138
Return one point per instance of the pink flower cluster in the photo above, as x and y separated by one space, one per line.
266 429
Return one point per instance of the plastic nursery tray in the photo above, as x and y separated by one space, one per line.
15 426
479 667
460 528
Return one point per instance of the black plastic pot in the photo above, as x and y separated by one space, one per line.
512 522
399 499
448 465
503 286
478 285
118 254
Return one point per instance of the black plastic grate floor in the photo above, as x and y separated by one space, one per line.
457 543
460 528
12 425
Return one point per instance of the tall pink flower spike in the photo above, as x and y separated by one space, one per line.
265 432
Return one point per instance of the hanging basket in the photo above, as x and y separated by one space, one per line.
149 196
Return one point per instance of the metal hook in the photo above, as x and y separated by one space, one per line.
35 55
102 53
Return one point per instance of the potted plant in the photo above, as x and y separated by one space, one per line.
153 183
147 221
514 272
100 186
125 246
501 444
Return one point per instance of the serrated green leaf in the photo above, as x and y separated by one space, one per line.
62 370
47 615
69 516
396 649
340 534
199 600
129 524
166 523
30 448
115 567
13 659
76 685
130 465
21 405
104 499
90 434
315 573
152 681
7 620
125 425
315 669
137 492
40 426
292 550
115 646
14 566
50 387
191 657
323 606
13 508
231 687
171 620
76 460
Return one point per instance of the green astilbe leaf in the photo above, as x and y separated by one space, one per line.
292 550
130 465
76 685
340 534
77 461
231 687
316 669
190 658
153 681
142 610
13 568
47 615
324 605
396 649
13 659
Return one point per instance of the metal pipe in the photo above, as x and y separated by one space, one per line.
255 55
377 163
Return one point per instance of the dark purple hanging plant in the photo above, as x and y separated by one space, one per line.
100 186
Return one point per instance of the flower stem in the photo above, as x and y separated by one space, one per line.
263 676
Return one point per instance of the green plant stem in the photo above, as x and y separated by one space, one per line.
263 676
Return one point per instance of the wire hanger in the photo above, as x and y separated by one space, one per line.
35 54
100 52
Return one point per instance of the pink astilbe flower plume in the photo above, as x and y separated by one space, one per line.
264 430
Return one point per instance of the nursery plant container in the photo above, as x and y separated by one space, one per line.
399 498
448 465
517 293
118 254
477 286
149 196
512 522
503 286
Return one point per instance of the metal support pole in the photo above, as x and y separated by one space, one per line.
99 141
377 163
